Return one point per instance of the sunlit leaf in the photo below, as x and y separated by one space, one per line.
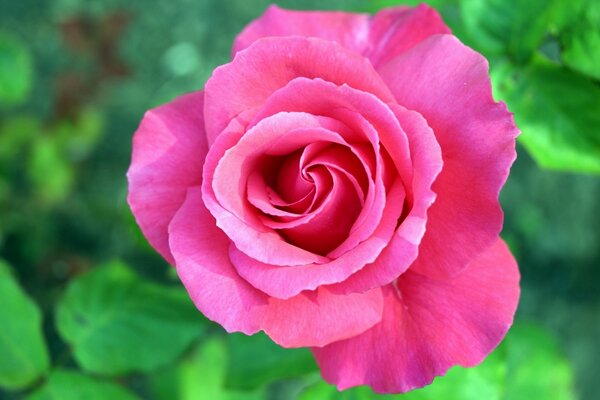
23 354
558 112
500 26
200 375
581 41
70 385
118 323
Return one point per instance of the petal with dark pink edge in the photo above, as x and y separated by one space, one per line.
168 152
449 84
270 63
348 29
428 326
402 250
396 30
309 319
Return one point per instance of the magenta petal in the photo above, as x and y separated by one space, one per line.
309 319
428 326
200 252
477 138
402 250
396 30
169 149
321 317
348 29
270 63
285 282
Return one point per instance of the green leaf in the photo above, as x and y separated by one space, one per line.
15 133
498 26
527 365
255 360
201 375
535 369
69 385
16 71
118 323
23 353
49 172
581 41
558 112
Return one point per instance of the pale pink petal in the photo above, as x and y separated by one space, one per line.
348 29
169 149
320 317
396 30
428 326
200 252
402 250
270 63
449 84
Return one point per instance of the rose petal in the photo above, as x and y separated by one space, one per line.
348 29
477 138
234 153
321 317
309 319
200 252
428 326
270 63
402 250
285 282
380 38
398 29
168 152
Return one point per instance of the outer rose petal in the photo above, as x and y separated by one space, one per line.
380 38
449 84
398 29
348 29
428 326
168 152
270 63
311 318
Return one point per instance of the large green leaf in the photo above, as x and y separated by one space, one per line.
255 360
23 354
581 41
69 385
558 112
526 366
118 323
200 376
16 71
500 27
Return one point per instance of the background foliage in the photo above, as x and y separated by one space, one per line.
90 311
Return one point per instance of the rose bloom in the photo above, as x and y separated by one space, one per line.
336 186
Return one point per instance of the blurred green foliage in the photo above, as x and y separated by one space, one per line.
75 79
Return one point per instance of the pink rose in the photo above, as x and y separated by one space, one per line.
336 186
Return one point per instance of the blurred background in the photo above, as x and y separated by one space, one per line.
89 311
